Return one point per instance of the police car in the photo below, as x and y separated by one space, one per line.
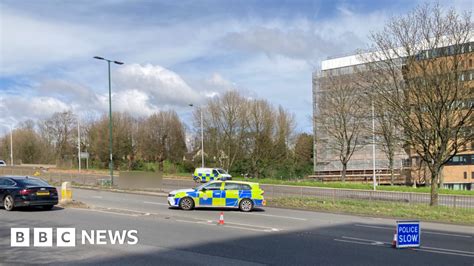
202 175
233 194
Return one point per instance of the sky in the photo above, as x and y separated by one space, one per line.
175 52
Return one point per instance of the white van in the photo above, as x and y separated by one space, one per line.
210 174
2 163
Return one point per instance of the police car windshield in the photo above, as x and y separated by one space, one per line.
201 186
221 171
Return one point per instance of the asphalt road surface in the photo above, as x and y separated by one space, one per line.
266 236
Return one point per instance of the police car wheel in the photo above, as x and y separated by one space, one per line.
8 203
246 205
186 203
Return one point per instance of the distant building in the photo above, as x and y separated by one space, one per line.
458 173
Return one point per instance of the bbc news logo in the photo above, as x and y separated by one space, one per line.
66 237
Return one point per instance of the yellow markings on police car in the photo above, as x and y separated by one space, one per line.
237 194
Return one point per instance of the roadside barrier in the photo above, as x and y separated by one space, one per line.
66 192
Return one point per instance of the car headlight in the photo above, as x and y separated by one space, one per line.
171 195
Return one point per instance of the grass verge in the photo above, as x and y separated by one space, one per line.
379 209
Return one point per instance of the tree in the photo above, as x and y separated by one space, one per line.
341 117
304 153
261 121
227 115
419 58
389 132
304 149
58 131
161 137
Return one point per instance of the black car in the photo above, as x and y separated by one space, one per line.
23 191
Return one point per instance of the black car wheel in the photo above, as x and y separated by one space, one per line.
8 203
48 207
186 203
246 205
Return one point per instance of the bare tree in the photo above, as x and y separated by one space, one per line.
59 131
389 132
261 120
228 116
161 137
341 117
418 63
285 127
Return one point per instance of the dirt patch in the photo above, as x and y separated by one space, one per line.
73 204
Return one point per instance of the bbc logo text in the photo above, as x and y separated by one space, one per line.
66 237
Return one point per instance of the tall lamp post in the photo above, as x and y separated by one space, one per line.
373 146
111 162
202 137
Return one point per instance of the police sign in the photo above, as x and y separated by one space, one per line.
408 234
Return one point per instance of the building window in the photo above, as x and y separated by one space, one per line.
465 175
472 175
470 62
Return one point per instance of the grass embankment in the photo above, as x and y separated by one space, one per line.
362 186
379 209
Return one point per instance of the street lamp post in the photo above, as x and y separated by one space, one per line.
202 137
78 144
111 162
373 144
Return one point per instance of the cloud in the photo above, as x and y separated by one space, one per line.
63 89
296 43
28 43
163 87
18 108
133 102
305 39
137 89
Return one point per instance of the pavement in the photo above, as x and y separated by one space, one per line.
270 236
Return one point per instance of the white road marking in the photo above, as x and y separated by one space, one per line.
97 197
277 216
373 242
246 228
424 231
449 250
234 225
353 242
369 242
443 252
109 212
156 203
251 225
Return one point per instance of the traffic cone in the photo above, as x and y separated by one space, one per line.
394 241
221 219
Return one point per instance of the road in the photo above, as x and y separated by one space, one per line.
267 236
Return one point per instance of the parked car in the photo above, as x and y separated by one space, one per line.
22 191
2 163
210 174
229 194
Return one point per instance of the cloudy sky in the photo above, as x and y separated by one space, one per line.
175 52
